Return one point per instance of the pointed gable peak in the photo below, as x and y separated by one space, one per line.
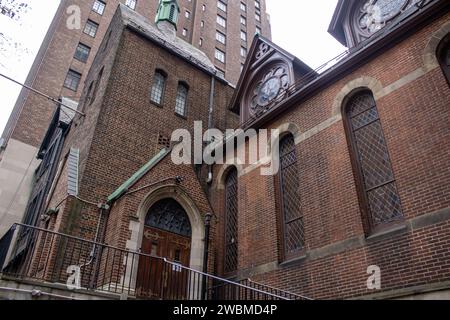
267 66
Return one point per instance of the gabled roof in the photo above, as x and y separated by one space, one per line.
176 45
138 175
336 25
251 57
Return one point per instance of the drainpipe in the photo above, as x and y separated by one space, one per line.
104 210
210 122
208 217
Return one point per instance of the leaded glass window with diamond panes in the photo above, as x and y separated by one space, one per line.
292 216
231 216
157 91
374 169
181 99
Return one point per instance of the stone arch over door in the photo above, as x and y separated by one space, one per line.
195 218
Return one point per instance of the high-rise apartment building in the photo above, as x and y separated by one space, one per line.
222 29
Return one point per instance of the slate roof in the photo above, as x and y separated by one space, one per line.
175 44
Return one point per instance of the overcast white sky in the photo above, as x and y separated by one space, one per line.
299 26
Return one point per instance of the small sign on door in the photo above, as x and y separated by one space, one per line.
176 267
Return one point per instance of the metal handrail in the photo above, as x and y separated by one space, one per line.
46 256
279 290
225 280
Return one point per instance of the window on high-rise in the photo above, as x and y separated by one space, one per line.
185 32
258 16
187 14
221 21
202 24
243 52
91 28
82 52
203 7
258 30
72 80
131 4
222 6
99 7
257 4
220 55
220 37
243 36
243 21
243 7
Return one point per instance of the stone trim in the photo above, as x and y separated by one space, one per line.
409 292
364 82
219 182
136 225
410 226
430 60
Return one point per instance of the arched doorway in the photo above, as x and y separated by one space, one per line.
167 234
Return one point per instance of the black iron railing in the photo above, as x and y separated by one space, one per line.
51 257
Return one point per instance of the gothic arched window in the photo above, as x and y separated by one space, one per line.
443 54
293 236
159 83
169 215
181 99
231 220
379 198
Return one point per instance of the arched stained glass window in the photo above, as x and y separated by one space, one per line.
291 217
380 201
169 215
231 220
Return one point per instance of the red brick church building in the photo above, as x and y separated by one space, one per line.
360 205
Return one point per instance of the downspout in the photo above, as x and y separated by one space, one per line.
210 122
208 217
103 211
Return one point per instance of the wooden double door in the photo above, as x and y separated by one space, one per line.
157 279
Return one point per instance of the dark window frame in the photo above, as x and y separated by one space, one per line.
79 76
163 89
184 85
83 57
102 5
362 189
231 215
281 191
92 24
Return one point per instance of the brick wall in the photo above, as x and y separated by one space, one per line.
416 121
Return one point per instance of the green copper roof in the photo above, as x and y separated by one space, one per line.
168 10
137 175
